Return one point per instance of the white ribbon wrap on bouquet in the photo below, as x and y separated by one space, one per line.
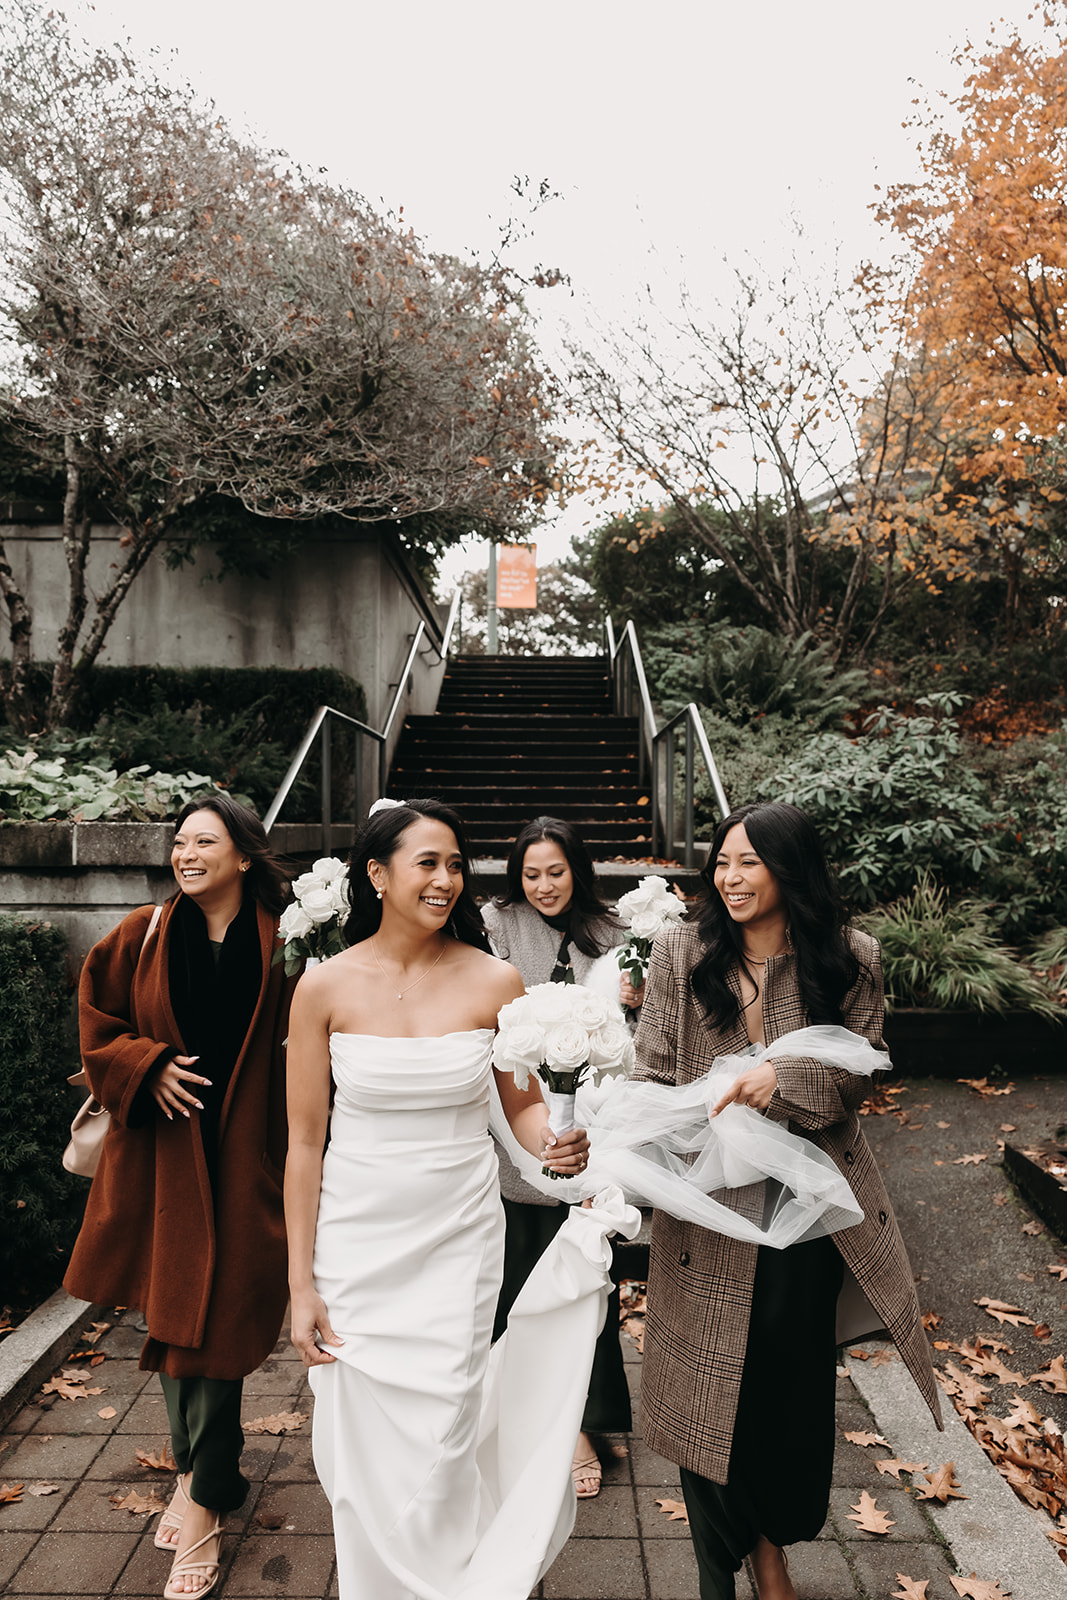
560 1111
643 1134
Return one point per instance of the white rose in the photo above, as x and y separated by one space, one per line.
304 884
646 924
650 891
294 923
566 1046
588 1008
611 1046
318 903
514 1014
338 893
550 1002
327 869
523 1046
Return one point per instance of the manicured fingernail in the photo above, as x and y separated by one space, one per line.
199 1107
185 1112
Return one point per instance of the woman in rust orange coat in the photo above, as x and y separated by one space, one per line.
182 1027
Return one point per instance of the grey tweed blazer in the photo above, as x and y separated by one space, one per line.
519 933
700 1283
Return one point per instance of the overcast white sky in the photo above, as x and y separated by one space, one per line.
694 129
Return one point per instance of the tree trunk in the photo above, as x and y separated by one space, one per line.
63 700
18 705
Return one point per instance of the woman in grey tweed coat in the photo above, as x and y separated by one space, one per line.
740 1340
553 926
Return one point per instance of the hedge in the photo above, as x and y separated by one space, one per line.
40 1204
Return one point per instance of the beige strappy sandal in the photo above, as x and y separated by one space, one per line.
171 1520
582 1471
188 1568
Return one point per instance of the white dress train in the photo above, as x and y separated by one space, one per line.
448 1469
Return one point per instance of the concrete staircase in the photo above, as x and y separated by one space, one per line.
515 737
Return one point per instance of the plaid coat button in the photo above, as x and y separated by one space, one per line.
849 1158
683 1259
882 1218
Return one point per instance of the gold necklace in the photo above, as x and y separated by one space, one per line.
402 992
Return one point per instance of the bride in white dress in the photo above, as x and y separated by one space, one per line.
396 1237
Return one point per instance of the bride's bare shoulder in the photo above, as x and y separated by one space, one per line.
496 978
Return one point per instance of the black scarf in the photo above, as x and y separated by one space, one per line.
214 1004
563 971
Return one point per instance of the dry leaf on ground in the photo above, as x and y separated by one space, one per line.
974 1588
910 1588
1042 1330
1052 1377
971 1160
63 1386
895 1467
986 1089
1003 1312
634 1328
280 1422
862 1438
10 1493
866 1515
271 1519
675 1509
931 1321
882 1358
1058 1270
42 1488
107 1413
941 1485
1058 1534
1033 1228
138 1505
161 1461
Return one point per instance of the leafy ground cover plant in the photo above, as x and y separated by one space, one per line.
945 953
69 779
894 802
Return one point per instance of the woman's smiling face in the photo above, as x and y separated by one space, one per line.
748 890
423 878
547 880
204 858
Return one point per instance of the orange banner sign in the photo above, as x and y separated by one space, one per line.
516 576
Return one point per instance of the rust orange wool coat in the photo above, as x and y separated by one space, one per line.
208 1272
700 1283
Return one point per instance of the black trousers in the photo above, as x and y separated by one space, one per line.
787 1397
206 1437
529 1232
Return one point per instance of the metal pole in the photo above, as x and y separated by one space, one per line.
491 647
690 852
656 826
668 799
327 785
357 777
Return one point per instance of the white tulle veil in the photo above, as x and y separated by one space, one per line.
643 1133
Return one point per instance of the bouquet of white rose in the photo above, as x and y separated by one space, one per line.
311 926
565 1034
646 910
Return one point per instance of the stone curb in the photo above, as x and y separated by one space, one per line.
30 1354
992 1533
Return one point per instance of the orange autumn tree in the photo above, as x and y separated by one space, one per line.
985 314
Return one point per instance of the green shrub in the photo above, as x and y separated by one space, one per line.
893 803
746 759
1026 882
945 953
40 1204
745 673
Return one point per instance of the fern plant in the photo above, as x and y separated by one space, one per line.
943 953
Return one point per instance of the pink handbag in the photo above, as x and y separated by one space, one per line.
92 1120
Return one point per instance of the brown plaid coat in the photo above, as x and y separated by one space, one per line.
700 1283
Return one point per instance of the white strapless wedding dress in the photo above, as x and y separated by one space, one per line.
447 1467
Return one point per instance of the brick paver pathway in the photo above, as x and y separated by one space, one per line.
75 1542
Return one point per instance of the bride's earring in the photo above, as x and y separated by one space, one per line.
378 892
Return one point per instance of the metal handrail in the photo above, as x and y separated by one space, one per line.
656 745
322 726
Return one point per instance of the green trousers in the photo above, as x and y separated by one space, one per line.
206 1437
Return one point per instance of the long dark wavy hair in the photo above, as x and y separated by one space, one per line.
791 850
377 840
586 907
267 878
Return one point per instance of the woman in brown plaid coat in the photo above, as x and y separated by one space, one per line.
740 1341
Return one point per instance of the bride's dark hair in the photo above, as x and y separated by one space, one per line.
377 840
791 850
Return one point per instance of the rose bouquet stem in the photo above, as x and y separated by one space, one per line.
561 1088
